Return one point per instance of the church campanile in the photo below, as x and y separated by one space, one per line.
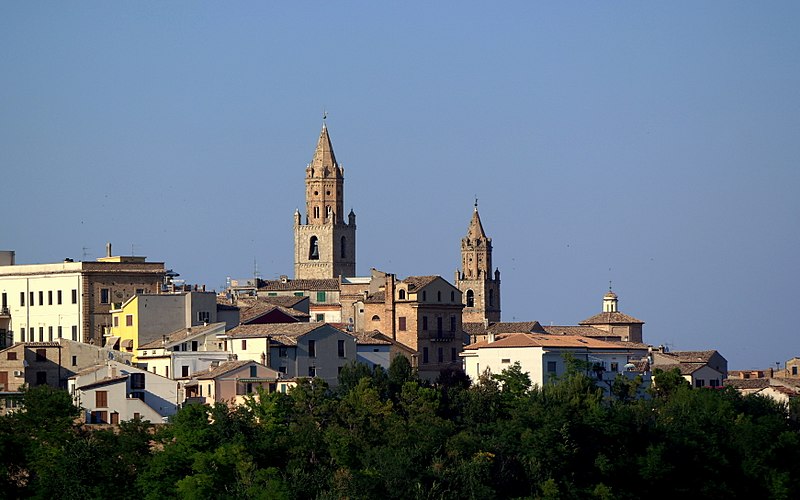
324 244
479 287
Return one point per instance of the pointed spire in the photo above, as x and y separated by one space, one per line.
323 155
475 230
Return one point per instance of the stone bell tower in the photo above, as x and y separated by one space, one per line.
325 243
480 288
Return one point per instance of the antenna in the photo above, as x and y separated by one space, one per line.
256 273
85 253
133 251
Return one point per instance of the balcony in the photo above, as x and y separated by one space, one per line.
5 313
442 336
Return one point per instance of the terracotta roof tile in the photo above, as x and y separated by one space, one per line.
542 340
273 329
611 318
583 330
516 327
301 284
222 369
181 335
416 282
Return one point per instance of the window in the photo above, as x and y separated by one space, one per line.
376 318
41 298
41 334
440 354
424 296
74 296
319 317
129 320
137 381
343 248
253 371
453 354
312 348
49 333
194 345
116 321
203 316
313 248
59 331
105 295
341 348
11 356
49 297
614 366
470 298
401 323
439 326
101 399
5 300
699 383
244 344
424 323
401 295
21 299
58 297
74 360
282 369
439 296
139 291
452 296
713 383
312 371
551 367
491 298
794 370
41 378
74 333
452 323
99 417
320 296
505 360
32 300
114 418
166 371
424 354
282 352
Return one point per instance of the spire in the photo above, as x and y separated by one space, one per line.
475 230
323 155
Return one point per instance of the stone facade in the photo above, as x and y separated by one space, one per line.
479 286
324 244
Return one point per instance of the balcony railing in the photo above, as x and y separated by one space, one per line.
442 336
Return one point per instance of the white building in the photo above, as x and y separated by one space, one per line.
184 352
542 356
114 392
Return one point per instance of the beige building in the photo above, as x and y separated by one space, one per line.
699 368
324 243
232 382
616 323
480 287
73 300
424 314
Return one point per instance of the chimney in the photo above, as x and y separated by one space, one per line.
490 336
108 249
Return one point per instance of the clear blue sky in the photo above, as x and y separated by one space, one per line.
652 144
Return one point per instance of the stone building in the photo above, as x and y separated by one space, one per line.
325 243
616 323
45 302
480 287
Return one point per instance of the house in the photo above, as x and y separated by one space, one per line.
543 356
424 314
699 368
45 302
113 392
231 382
146 317
376 349
295 349
180 354
277 309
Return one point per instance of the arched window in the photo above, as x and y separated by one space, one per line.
313 249
470 298
343 249
401 295
376 318
491 298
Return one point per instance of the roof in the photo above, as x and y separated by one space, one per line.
104 381
418 282
34 345
684 368
181 335
322 284
692 356
88 370
371 338
474 328
540 340
323 154
583 330
222 369
259 308
515 327
746 383
475 229
286 333
611 318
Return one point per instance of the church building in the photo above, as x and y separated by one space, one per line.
480 288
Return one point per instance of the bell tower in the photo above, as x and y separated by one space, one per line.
324 243
480 288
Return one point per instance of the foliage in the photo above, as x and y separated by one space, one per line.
388 434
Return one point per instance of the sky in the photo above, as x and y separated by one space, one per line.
653 145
